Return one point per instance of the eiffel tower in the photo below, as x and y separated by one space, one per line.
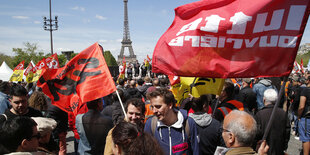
126 42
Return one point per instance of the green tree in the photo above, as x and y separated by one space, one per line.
7 59
305 57
109 58
28 53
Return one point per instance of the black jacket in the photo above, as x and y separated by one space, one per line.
209 133
31 113
96 127
132 93
61 117
279 134
248 97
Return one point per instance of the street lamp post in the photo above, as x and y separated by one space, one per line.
50 25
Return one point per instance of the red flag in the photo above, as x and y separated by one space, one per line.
38 69
122 70
174 79
124 66
41 64
148 58
232 38
28 69
20 66
52 61
296 67
84 78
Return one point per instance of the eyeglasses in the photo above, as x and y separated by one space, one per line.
224 130
35 136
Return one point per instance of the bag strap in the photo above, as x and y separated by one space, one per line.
187 129
154 124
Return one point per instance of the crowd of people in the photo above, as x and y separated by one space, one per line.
152 122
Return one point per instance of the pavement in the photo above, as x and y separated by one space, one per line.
294 145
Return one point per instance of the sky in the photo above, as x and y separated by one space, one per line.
84 22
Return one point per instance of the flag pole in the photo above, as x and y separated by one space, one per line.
274 109
216 104
120 101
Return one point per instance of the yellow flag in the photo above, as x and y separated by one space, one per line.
199 85
29 77
38 69
36 75
196 86
17 75
18 72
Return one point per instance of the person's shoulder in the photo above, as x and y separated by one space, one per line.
305 89
215 122
34 112
148 124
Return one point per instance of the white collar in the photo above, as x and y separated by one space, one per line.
177 124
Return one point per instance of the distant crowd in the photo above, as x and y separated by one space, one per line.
143 118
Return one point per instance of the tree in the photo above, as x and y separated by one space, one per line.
7 59
28 53
305 57
109 58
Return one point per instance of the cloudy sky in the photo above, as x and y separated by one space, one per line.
84 22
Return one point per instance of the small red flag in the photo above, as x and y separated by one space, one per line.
28 69
148 58
20 66
52 61
84 78
174 79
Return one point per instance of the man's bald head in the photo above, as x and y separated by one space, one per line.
242 127
132 83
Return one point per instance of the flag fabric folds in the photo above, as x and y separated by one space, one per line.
146 63
148 58
122 71
18 72
232 38
84 78
181 87
38 69
52 61
29 72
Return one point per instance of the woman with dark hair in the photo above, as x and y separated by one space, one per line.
129 141
145 144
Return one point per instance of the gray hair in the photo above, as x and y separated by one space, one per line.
270 95
244 133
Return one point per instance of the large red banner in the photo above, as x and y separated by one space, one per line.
232 38
84 78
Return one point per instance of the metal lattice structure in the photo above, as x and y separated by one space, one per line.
126 42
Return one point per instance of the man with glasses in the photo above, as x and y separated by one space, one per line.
19 102
239 131
19 135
